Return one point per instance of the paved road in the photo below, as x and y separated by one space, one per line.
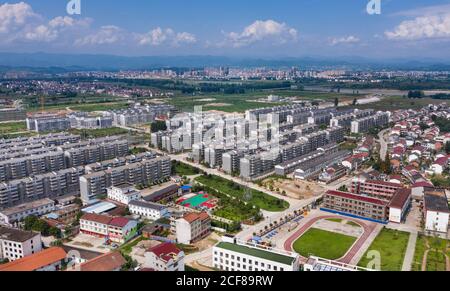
409 255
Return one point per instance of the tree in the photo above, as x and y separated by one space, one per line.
343 188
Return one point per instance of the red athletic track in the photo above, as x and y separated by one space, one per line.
353 250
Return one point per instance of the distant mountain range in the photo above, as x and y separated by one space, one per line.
73 62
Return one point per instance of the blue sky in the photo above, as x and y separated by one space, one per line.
405 28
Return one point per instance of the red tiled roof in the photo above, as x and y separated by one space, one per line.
103 219
400 198
191 217
383 183
104 263
422 184
357 197
165 251
36 261
441 161
119 221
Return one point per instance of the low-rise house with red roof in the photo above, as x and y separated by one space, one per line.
164 257
192 227
51 259
113 261
438 166
113 229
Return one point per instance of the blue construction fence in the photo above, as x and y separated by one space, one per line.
353 216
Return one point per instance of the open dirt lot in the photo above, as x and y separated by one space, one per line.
294 189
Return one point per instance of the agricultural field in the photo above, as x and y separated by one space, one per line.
251 100
88 107
398 102
324 244
392 246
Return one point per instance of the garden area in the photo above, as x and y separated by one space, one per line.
96 133
253 197
324 244
182 169
392 246
431 254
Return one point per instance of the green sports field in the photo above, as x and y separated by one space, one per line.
324 244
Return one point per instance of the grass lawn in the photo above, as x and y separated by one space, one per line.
183 169
392 246
12 127
436 261
257 198
127 248
353 224
324 244
96 133
338 220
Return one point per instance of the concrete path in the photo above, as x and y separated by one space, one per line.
410 250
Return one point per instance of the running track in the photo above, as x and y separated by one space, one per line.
368 228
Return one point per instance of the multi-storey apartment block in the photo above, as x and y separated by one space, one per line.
145 172
16 244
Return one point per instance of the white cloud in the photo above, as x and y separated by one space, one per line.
159 36
269 30
344 40
15 16
54 28
421 11
107 34
422 27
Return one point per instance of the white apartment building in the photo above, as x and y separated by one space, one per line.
16 214
149 210
436 212
165 257
232 255
192 227
16 244
123 194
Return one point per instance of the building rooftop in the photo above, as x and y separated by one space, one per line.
165 251
436 203
99 207
149 205
16 235
36 261
191 217
103 219
27 206
263 254
400 198
357 197
104 263
119 221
